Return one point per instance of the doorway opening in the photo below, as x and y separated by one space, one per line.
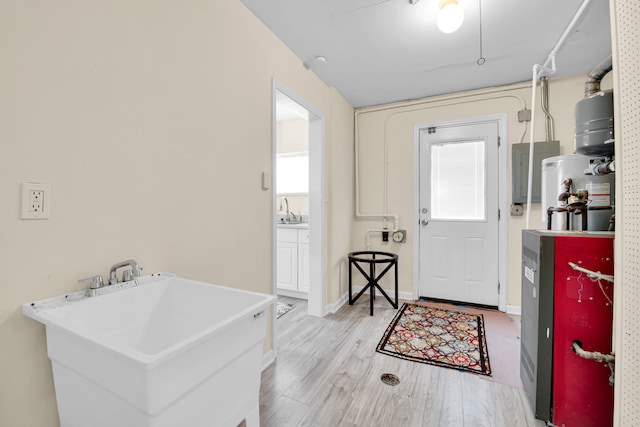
460 200
297 147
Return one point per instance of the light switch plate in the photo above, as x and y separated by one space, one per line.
36 201
266 180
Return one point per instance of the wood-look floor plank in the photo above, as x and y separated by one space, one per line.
286 412
328 374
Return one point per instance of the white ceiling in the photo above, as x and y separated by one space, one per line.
381 51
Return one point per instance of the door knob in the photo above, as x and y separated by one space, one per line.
425 222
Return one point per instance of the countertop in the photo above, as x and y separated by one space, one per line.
299 225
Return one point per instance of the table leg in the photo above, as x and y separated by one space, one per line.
372 285
396 277
350 298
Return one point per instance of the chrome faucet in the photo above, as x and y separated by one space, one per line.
284 199
127 274
95 283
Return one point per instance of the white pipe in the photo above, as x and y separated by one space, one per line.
367 242
460 98
538 71
359 214
566 33
409 107
534 86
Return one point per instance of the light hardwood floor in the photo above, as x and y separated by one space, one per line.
328 374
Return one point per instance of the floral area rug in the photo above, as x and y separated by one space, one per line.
283 309
437 336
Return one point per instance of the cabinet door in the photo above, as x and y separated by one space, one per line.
287 268
303 267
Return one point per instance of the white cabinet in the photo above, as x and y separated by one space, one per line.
292 275
287 259
303 261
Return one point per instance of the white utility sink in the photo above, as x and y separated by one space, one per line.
157 351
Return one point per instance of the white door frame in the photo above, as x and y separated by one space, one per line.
502 199
316 207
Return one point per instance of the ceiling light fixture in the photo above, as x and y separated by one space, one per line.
315 61
450 16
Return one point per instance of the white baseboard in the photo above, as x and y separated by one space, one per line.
333 308
390 292
514 309
344 299
293 294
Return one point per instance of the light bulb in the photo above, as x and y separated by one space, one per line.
450 17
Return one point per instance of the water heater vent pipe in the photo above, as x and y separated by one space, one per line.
549 67
592 85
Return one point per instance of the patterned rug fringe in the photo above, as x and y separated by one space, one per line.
437 336
282 309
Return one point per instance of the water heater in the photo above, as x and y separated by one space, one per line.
600 188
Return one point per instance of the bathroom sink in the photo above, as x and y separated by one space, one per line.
158 350
292 224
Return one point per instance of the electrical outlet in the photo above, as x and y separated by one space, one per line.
36 201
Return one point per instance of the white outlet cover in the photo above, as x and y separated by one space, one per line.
25 211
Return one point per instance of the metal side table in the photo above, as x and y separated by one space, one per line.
371 259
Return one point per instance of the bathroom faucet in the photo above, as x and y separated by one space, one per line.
127 274
284 199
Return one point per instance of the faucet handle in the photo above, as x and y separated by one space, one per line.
95 282
136 270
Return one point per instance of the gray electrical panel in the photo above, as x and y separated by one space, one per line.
520 169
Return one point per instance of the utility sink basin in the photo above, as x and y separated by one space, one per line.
157 351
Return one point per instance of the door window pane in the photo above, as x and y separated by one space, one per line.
458 181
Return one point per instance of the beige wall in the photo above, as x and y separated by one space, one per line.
339 200
151 121
395 124
292 136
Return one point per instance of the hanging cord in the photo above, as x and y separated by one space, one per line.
480 60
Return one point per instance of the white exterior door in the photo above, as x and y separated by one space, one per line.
459 210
